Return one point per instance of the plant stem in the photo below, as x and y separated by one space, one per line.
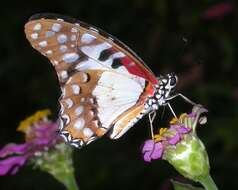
70 182
208 183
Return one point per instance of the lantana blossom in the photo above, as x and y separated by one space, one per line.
169 137
180 146
40 134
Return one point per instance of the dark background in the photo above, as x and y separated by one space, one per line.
186 37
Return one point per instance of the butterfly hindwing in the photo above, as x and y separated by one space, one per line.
104 84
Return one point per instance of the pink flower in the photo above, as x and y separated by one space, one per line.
152 150
218 11
40 134
168 138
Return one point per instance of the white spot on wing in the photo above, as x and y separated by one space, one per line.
79 124
34 36
94 51
87 132
116 55
49 52
64 74
91 113
89 64
37 27
54 62
63 48
78 110
70 57
73 37
56 27
76 89
74 29
49 34
62 38
87 38
43 43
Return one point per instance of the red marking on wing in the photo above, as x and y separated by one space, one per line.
139 70
150 89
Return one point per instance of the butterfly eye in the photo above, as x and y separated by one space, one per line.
173 81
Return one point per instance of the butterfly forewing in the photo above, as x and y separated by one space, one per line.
103 82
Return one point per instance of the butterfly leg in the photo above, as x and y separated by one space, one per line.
171 109
151 119
186 99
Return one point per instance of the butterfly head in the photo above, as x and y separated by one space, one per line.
170 81
167 85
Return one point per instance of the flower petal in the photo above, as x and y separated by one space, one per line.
183 130
46 130
158 150
174 140
148 146
174 127
12 163
41 141
147 157
180 128
13 149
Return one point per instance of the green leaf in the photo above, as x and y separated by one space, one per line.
183 186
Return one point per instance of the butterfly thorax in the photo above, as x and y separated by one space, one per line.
166 85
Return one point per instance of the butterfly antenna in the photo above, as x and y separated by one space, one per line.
151 119
186 99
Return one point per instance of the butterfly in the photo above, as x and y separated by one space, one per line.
106 87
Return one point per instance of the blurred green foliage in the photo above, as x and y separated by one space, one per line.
170 36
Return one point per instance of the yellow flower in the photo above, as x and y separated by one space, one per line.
179 120
173 121
159 137
33 119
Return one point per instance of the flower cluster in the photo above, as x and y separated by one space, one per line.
154 149
40 135
218 11
180 146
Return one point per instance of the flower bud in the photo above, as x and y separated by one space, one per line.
189 157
